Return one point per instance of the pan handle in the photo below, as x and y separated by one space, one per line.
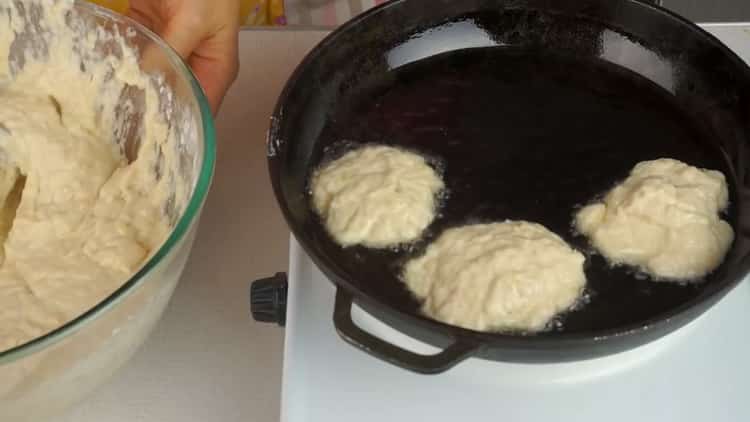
423 364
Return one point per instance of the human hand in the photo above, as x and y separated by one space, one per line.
203 32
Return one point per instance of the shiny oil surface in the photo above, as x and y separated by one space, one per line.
523 135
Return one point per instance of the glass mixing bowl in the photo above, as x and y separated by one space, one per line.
40 379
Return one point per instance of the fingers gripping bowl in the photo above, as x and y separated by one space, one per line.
41 376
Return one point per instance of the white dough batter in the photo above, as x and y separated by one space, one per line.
376 196
509 276
664 218
86 219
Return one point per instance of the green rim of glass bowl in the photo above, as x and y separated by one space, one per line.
191 212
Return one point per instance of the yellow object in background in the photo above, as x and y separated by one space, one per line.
263 12
252 12
119 6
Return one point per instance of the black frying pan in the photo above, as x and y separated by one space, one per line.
533 108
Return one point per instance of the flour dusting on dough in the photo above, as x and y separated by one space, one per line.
70 92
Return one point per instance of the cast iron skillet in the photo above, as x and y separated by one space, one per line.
530 108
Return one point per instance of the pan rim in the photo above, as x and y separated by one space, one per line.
664 322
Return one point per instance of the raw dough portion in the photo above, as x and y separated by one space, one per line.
509 276
376 196
664 218
76 218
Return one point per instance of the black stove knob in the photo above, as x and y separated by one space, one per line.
268 299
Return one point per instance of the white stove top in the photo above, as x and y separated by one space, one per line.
699 373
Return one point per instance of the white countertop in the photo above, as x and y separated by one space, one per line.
207 360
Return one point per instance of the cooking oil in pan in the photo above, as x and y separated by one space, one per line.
525 135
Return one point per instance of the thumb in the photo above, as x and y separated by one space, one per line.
184 37
212 55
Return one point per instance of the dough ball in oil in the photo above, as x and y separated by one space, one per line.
508 276
664 219
376 196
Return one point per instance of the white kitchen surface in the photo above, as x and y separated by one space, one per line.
207 360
